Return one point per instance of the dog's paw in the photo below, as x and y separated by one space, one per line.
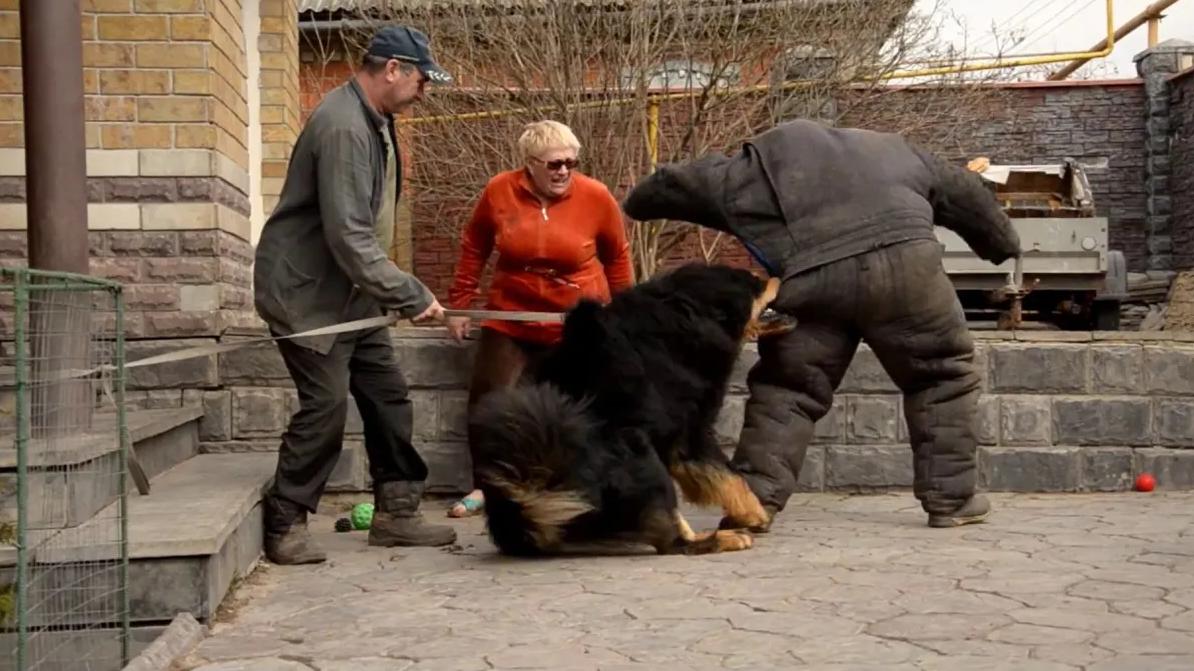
734 541
759 523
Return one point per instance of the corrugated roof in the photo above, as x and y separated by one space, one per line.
359 5
364 5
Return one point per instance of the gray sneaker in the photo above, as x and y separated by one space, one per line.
973 511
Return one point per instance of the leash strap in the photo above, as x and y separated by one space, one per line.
344 327
513 316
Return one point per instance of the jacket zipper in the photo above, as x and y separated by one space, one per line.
543 237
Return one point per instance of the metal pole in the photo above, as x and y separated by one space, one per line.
56 210
55 144
653 132
1152 11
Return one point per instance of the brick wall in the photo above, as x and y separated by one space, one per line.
1081 414
279 82
443 191
1102 124
1182 162
167 159
158 74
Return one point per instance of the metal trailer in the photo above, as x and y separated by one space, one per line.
1067 279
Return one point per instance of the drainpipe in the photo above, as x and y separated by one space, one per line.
56 213
55 144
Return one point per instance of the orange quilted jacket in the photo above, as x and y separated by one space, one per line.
549 254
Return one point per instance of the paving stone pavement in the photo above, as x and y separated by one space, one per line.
1050 583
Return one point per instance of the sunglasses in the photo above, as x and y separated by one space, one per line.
569 163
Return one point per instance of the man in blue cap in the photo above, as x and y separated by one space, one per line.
322 260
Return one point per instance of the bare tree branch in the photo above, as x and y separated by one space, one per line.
722 70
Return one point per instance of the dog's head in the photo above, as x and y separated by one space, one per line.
734 297
755 327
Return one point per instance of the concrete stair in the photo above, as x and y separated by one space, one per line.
198 531
78 478
189 538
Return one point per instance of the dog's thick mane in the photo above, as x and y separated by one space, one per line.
583 450
674 333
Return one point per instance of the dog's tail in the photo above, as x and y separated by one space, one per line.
525 441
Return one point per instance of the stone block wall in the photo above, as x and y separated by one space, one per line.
248 398
1084 413
1081 414
1181 117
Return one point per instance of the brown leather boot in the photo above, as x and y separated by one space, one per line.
398 522
287 540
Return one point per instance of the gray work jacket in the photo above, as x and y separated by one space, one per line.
318 261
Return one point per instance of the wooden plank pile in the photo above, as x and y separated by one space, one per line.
1148 293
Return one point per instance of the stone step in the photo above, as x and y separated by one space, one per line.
188 540
74 477
199 530
69 650
163 438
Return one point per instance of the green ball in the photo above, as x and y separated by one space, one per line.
362 516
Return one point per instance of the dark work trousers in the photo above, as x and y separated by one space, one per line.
500 361
364 364
899 300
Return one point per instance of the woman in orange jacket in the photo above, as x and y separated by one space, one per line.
559 236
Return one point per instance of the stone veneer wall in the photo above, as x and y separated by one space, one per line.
1060 412
1181 118
1101 124
1158 65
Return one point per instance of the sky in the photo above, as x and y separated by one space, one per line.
1058 25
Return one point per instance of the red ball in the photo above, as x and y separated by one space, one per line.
1145 482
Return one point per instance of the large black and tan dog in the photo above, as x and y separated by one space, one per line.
585 452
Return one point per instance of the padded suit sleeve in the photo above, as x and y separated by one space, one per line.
962 204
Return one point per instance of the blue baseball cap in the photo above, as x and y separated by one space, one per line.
409 45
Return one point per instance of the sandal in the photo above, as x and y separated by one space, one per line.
466 507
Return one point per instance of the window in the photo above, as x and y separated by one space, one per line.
681 74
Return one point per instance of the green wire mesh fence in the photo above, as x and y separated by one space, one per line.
63 486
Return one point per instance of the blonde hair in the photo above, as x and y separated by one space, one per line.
540 136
